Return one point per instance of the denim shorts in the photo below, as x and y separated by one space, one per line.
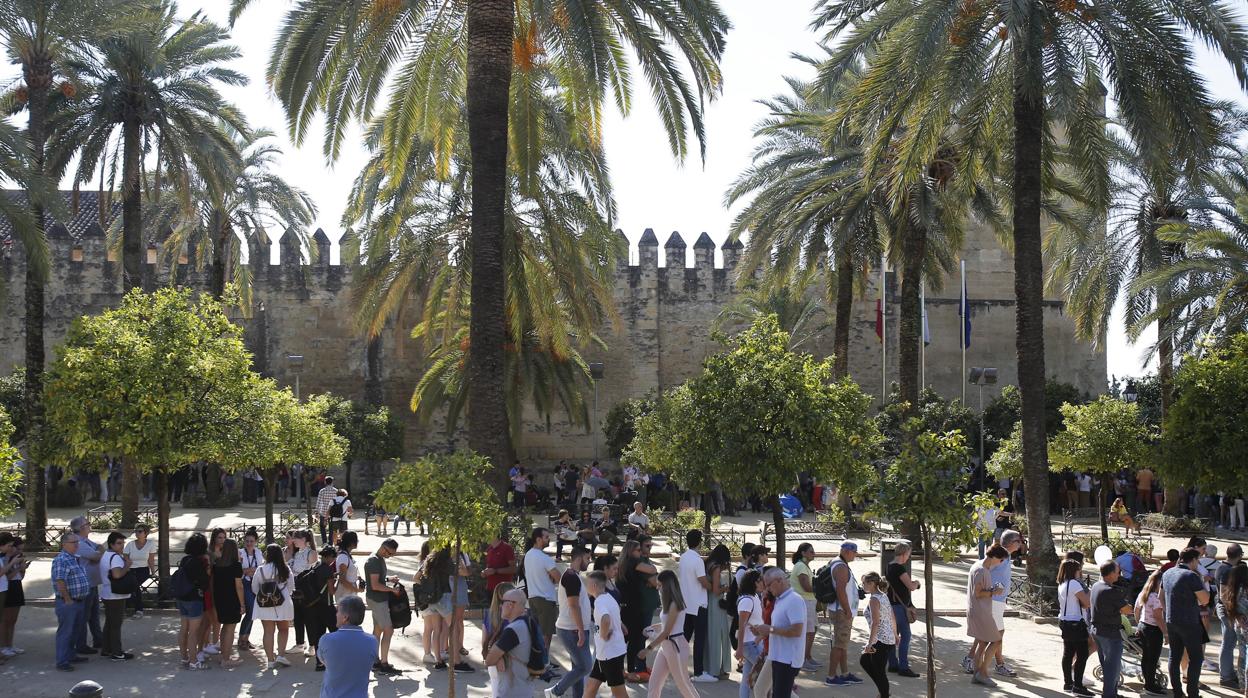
191 609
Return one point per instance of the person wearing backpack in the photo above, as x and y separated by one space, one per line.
273 584
340 512
843 609
508 658
378 596
188 585
115 591
318 601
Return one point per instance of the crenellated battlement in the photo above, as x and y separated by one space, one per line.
660 336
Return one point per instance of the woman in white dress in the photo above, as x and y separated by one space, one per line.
274 576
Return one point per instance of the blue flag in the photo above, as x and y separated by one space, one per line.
964 312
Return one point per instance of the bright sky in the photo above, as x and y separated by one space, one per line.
652 190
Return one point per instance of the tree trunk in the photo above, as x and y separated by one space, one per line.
38 77
346 474
132 278
270 485
1029 294
929 604
1176 497
212 485
1102 491
777 520
162 527
308 478
844 315
914 248
450 665
220 260
490 35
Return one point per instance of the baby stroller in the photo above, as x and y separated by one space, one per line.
1132 656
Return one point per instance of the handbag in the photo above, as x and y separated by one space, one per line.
270 595
910 614
124 585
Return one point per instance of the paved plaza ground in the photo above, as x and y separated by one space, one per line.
1032 648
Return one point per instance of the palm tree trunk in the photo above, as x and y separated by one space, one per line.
132 278
220 260
162 528
490 34
914 247
1176 497
844 315
1029 294
37 83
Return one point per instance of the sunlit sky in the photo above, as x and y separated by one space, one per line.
651 188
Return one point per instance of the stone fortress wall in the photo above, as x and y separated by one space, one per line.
663 333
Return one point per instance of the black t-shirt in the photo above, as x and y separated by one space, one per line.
1003 521
1107 603
1179 587
1223 573
322 574
571 583
897 592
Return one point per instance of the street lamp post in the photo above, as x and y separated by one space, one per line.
596 372
979 377
295 363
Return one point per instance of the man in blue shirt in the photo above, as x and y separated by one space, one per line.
71 588
1184 593
348 653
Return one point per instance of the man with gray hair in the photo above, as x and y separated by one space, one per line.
787 629
348 653
510 652
70 588
88 555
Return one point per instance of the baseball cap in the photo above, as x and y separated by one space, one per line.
849 545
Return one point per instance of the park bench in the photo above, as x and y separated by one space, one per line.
798 530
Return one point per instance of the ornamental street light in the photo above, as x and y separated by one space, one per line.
294 362
596 372
979 377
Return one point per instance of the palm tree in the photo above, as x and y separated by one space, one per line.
253 199
156 81
415 241
1206 289
1009 73
335 58
796 306
1100 256
39 35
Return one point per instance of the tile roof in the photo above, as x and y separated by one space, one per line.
84 222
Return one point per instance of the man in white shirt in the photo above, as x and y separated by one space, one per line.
540 577
574 618
638 519
609 645
693 586
787 647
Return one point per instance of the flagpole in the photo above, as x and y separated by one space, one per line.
963 311
883 339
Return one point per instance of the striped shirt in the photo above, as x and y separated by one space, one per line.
65 568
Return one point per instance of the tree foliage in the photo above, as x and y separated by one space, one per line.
450 494
756 417
1007 460
620 425
372 432
1206 429
935 414
1002 415
10 473
13 401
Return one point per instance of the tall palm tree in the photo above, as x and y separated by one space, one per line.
1009 72
252 200
797 306
1100 256
156 81
39 35
560 249
1206 290
335 58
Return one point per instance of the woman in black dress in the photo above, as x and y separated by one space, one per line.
227 593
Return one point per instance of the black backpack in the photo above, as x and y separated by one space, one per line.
335 509
729 602
305 591
824 585
400 608
539 655
126 584
180 585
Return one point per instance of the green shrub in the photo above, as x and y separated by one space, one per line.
1164 523
673 528
832 514
1088 545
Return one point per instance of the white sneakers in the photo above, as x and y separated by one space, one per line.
282 660
430 659
212 649
704 678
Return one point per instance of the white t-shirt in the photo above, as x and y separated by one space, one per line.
1068 607
639 520
139 556
537 565
678 628
570 582
1085 483
790 609
4 578
691 568
346 507
751 605
301 560
352 575
605 606
109 561
251 560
